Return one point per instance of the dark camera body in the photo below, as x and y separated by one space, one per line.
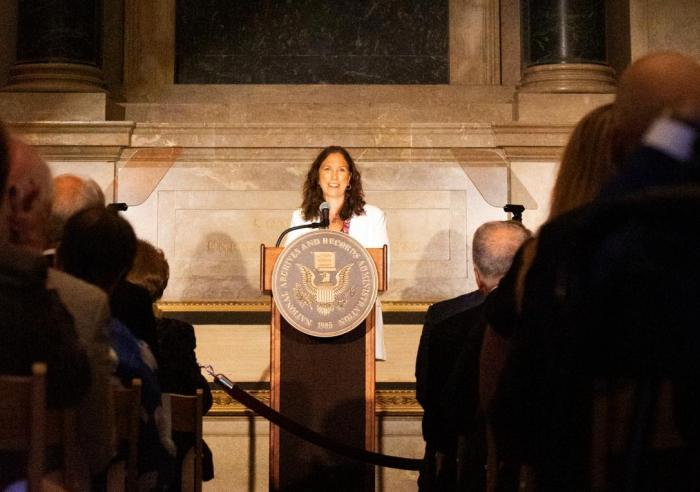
515 209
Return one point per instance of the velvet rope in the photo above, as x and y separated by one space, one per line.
293 427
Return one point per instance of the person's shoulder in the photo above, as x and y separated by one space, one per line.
440 311
372 216
373 211
21 268
67 284
172 326
131 289
298 218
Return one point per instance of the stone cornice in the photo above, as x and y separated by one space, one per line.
74 133
534 153
80 153
311 135
418 136
531 135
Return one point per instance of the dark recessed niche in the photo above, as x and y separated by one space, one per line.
312 42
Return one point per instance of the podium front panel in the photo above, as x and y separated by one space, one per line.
322 382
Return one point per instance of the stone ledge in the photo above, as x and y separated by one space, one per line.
54 106
475 136
302 135
73 133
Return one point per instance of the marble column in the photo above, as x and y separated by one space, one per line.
564 47
58 47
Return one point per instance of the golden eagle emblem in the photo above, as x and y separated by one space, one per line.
326 295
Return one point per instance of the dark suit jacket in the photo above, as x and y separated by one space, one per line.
610 296
650 167
36 327
131 304
179 373
445 331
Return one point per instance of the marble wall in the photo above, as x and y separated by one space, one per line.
58 33
312 42
209 206
658 25
209 195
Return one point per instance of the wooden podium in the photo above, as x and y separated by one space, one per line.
327 385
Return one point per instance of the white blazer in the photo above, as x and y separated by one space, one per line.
370 231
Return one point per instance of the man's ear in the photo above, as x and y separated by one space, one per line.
477 276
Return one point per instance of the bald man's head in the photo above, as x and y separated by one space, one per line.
493 248
27 205
649 85
71 194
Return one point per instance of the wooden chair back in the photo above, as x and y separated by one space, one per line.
23 420
127 411
612 425
186 416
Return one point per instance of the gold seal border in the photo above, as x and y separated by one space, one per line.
341 237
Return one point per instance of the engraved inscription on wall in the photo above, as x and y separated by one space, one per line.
312 42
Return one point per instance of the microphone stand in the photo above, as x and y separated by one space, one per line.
313 225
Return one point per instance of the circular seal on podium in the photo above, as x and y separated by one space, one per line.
324 283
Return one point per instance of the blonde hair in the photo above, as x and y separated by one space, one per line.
150 269
587 163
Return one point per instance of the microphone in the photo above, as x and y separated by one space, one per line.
324 209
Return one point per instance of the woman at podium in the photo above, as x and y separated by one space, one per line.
334 178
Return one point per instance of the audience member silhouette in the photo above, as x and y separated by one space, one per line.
586 166
71 194
658 98
99 246
34 325
178 370
609 301
30 182
447 361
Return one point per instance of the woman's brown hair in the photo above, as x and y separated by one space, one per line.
150 269
354 203
587 163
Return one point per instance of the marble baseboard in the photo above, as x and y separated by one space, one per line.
389 402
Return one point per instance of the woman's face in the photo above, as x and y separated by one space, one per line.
334 176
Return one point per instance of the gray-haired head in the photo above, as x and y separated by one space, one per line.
71 195
493 247
26 206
